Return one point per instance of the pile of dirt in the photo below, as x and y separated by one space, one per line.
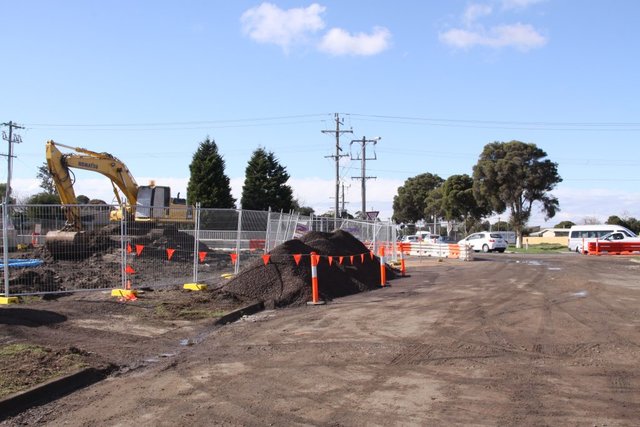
282 282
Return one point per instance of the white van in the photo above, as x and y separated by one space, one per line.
580 235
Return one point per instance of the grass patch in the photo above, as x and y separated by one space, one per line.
200 314
23 366
17 350
542 248
168 311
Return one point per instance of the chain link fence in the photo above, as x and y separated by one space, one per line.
115 250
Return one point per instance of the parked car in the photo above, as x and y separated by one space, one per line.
485 242
419 238
410 239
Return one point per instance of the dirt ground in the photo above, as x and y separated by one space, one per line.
503 340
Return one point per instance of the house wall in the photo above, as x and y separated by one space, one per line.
550 240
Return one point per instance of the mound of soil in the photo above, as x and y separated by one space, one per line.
283 283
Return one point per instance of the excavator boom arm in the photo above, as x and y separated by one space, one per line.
102 163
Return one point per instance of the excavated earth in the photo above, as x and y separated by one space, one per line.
283 282
508 339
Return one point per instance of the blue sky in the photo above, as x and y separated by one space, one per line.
436 80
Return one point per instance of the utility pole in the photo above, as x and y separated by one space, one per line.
336 157
11 139
363 169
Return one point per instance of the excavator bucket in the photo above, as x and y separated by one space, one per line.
67 244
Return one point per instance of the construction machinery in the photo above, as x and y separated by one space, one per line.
147 203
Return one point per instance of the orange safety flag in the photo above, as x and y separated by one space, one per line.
202 255
129 250
234 257
351 258
362 258
139 249
330 259
170 253
297 258
265 258
315 260
129 270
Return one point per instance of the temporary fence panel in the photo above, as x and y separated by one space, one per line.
219 243
87 259
160 252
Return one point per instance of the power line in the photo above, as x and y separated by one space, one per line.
501 122
185 123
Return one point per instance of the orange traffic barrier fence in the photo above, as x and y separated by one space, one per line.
613 248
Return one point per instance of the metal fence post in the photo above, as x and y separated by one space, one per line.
123 248
394 240
5 246
267 238
196 243
278 229
238 236
373 225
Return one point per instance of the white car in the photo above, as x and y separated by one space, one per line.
417 238
485 242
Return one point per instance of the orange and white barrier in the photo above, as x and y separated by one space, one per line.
439 250
613 248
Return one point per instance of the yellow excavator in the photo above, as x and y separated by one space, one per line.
148 203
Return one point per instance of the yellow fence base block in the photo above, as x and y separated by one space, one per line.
8 300
123 293
195 287
227 275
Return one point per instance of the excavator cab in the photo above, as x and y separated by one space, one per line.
153 202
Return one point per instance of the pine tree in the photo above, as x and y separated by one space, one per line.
208 184
265 184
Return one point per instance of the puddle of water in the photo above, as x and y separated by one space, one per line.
580 294
555 268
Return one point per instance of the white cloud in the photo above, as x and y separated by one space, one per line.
340 42
519 4
268 23
519 36
475 11
473 33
